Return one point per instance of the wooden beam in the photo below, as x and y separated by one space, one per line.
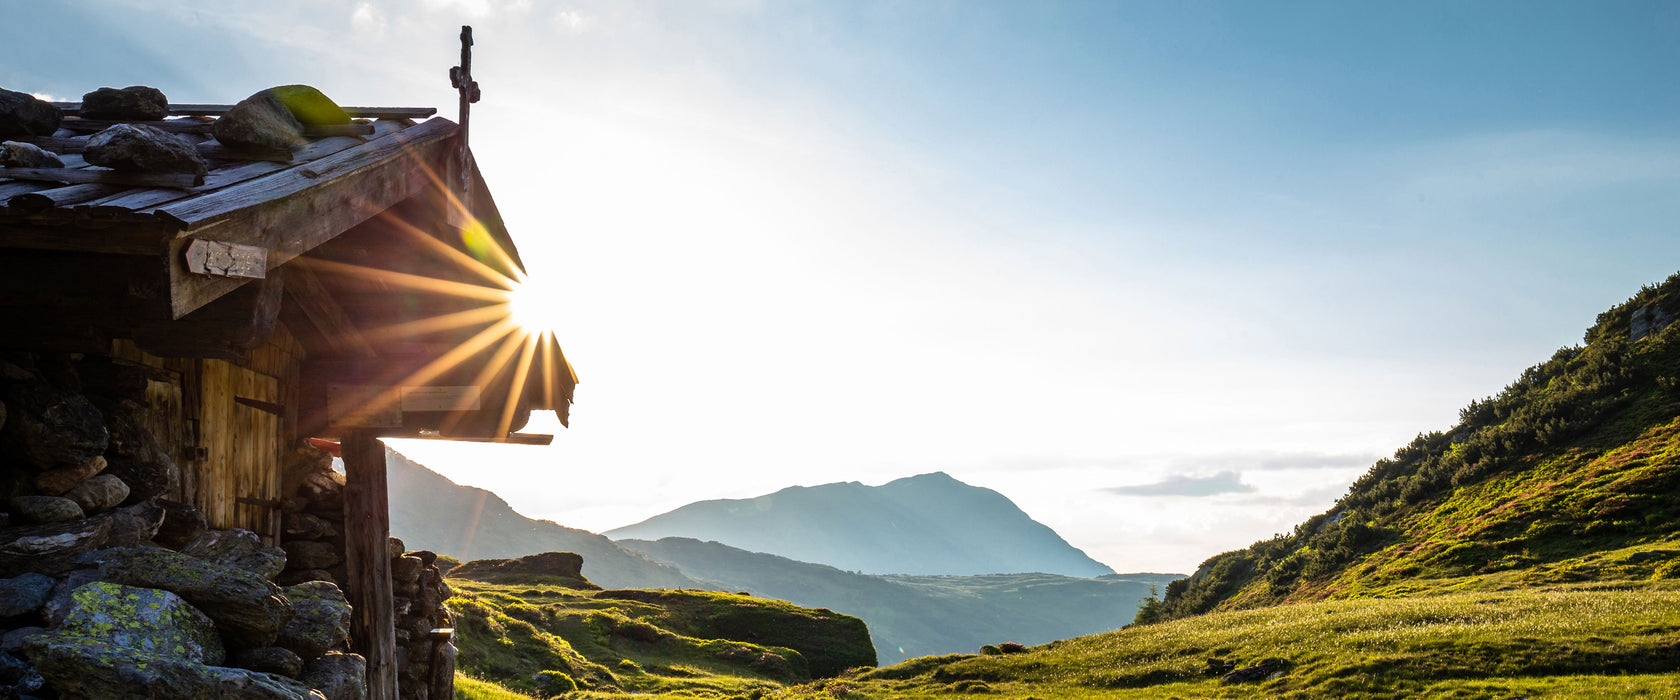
511 439
291 212
130 239
226 329
79 176
316 131
317 303
367 530
173 126
208 110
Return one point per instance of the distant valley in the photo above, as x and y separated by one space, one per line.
908 615
929 524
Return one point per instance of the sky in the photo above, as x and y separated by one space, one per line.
1168 275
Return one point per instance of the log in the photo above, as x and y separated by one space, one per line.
367 529
209 110
103 177
316 131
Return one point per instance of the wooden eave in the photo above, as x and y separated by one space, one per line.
100 257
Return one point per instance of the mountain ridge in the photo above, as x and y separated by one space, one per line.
959 529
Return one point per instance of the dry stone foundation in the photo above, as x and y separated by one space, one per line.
109 588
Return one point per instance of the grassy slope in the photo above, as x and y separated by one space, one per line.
1571 470
513 627
1573 640
1531 551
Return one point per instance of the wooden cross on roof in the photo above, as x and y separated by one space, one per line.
461 78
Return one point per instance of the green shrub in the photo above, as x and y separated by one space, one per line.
554 683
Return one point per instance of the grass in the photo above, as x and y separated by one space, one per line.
616 643
470 688
1575 641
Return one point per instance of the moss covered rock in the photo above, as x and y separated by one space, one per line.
78 667
143 619
248 609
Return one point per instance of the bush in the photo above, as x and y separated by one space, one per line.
553 683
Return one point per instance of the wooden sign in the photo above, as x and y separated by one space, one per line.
227 259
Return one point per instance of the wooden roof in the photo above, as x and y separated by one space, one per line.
88 254
301 198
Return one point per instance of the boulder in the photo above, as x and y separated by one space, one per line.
137 147
260 121
181 523
268 660
45 509
22 114
12 641
50 549
303 460
303 526
406 569
58 606
320 619
145 620
17 677
1258 672
134 454
99 494
292 577
394 548
240 549
17 154
323 489
24 595
309 554
562 564
338 676
248 609
135 102
50 427
133 526
54 482
78 667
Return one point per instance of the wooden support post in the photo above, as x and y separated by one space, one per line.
367 530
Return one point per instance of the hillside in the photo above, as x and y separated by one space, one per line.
428 511
911 616
536 625
1563 476
930 524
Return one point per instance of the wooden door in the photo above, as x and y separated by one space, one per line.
240 429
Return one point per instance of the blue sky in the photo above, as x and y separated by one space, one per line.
1169 275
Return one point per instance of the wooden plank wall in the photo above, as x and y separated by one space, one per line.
228 450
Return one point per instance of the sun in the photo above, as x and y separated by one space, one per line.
535 306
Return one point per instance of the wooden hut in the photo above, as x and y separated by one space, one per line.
351 288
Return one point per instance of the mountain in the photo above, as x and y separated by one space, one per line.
930 524
912 616
1571 473
428 511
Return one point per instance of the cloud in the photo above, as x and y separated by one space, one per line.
1223 482
570 21
1179 464
367 19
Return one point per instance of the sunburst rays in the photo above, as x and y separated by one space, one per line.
488 281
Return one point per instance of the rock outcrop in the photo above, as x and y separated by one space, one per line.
135 102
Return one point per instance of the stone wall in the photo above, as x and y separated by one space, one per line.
112 589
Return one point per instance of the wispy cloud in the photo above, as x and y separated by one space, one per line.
1223 482
1201 464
